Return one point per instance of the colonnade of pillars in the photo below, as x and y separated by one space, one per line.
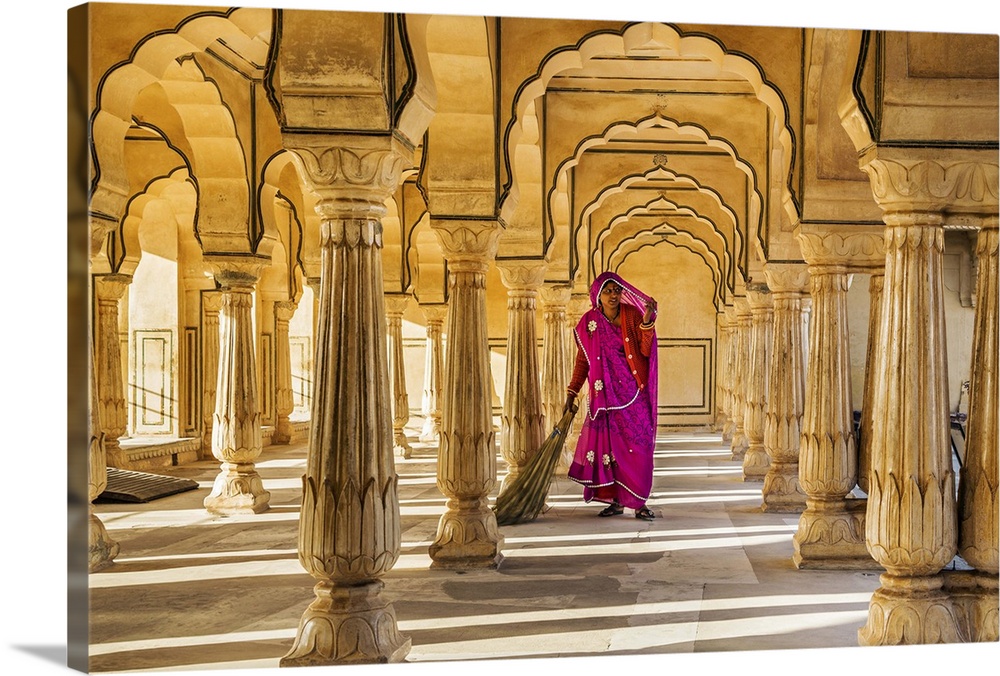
784 406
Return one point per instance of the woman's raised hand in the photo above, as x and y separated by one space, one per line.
650 312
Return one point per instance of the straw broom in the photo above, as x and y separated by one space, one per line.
523 498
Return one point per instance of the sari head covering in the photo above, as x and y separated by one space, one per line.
631 296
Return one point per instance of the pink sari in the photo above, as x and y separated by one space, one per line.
614 455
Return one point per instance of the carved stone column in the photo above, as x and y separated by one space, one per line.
755 460
831 529
430 405
111 393
349 532
786 389
522 428
395 306
578 305
211 305
976 592
912 523
557 362
721 373
102 549
467 535
875 283
741 361
728 372
236 435
284 401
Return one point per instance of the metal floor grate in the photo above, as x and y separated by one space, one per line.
130 486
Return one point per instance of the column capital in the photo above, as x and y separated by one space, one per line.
954 185
742 304
236 273
467 239
284 310
395 304
556 294
579 303
211 301
730 312
758 296
852 247
522 274
352 175
111 287
434 313
784 278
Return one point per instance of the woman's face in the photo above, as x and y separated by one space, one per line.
611 295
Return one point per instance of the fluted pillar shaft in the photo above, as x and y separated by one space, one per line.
284 401
728 373
430 404
721 372
911 527
111 390
349 531
875 284
786 389
101 549
557 364
755 460
236 433
741 361
467 535
522 425
831 529
211 305
976 592
395 306
579 303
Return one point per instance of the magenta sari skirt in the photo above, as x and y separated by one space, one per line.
614 455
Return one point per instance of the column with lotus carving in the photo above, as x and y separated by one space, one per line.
467 534
522 428
755 459
236 424
975 592
395 306
430 404
741 360
284 402
788 283
556 362
109 290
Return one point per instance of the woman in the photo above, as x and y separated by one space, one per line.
617 356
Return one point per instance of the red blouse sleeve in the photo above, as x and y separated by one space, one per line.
579 372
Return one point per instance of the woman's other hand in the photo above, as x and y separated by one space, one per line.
650 314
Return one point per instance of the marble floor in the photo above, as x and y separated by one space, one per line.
712 575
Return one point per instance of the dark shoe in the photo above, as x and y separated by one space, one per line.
611 510
645 514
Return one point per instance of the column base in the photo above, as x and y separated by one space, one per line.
347 625
782 492
755 463
101 550
739 445
283 432
468 537
400 446
430 433
974 595
238 489
831 536
910 611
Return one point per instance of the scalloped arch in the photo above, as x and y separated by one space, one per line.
216 153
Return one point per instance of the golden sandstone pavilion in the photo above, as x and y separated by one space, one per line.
332 264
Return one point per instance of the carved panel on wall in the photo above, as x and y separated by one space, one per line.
190 377
152 382
302 379
686 378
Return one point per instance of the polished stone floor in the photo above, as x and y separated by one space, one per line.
712 574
